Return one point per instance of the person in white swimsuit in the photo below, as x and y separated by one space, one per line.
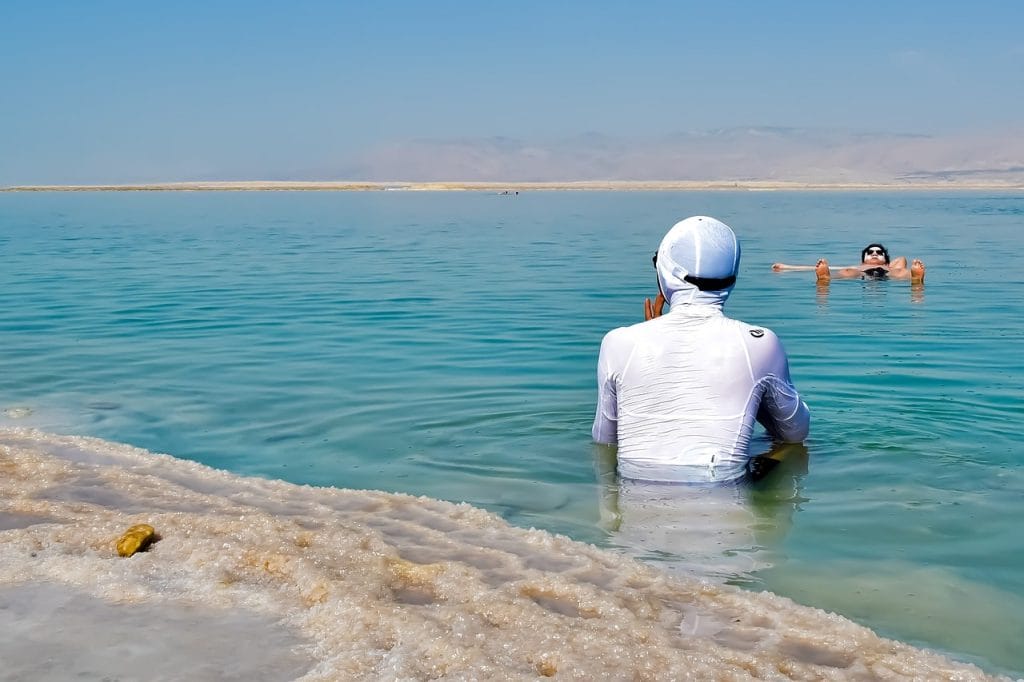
679 393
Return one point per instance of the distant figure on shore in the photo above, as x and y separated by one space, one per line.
874 264
679 393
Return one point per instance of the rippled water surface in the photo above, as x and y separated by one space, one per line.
444 344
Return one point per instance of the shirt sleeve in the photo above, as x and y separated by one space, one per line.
606 421
782 412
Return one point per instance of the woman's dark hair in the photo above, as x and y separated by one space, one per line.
885 252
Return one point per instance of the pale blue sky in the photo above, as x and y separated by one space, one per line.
112 91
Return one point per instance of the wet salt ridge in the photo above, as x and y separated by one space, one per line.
260 578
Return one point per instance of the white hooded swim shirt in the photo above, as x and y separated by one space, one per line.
679 394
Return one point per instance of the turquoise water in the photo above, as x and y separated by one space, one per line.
444 344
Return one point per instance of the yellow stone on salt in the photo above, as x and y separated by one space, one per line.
136 539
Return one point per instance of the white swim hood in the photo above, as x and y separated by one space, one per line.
700 247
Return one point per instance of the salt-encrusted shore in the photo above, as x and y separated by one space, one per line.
252 578
512 187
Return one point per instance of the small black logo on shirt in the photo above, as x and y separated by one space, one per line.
757 333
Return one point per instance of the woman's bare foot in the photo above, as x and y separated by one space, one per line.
822 271
917 272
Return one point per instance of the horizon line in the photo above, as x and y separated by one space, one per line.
489 185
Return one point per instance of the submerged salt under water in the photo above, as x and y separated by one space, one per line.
444 344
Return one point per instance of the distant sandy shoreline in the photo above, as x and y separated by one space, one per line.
513 187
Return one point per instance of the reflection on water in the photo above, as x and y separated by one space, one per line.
917 292
822 290
875 291
723 533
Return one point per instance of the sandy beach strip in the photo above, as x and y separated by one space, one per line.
514 187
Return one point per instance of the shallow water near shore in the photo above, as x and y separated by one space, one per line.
444 345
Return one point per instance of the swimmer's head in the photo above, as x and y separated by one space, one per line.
875 250
697 261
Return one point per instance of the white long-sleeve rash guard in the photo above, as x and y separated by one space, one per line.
679 395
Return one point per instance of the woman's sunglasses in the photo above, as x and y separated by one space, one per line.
875 252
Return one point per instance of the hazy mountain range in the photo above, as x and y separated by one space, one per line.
734 154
